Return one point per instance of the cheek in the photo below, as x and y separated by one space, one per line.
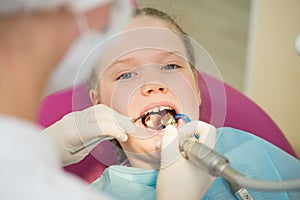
105 96
115 96
105 91
196 89
183 85
120 100
125 97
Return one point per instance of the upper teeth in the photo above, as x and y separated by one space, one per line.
157 109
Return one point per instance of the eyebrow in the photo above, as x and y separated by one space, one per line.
120 61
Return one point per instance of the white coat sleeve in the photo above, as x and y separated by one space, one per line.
30 167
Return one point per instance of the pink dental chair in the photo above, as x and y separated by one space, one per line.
240 113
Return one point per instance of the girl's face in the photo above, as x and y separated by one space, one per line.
149 80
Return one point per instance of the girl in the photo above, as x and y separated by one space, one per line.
147 78
148 72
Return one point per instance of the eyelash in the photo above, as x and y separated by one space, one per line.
174 67
122 76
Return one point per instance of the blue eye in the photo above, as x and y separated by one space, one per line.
126 75
170 67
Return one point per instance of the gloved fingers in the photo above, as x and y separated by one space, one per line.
64 132
187 180
207 132
169 147
124 123
106 128
194 127
102 120
103 112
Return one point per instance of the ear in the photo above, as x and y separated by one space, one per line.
94 97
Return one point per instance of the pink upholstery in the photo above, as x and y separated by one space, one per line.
241 113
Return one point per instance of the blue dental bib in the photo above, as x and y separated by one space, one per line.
250 155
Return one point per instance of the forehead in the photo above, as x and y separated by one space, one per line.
148 21
148 56
142 34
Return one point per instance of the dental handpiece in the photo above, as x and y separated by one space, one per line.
218 165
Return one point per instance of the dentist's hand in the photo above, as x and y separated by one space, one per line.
77 128
178 178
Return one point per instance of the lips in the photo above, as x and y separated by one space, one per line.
158 107
159 110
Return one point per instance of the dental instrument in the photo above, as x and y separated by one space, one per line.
90 143
218 165
153 121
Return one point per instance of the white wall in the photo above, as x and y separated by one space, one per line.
273 73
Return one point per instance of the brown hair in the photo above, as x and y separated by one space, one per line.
155 13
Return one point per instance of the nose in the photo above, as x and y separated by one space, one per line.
153 88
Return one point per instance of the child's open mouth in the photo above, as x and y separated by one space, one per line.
158 118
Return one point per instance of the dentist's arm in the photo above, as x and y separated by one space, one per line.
178 178
77 128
